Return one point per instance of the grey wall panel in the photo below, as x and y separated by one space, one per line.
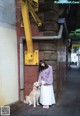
8 12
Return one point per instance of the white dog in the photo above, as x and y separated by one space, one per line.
33 98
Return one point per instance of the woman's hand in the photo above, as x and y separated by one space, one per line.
40 83
43 82
46 84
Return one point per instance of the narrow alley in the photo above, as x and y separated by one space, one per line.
39 30
68 104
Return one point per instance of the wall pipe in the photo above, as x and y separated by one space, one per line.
59 36
50 37
21 71
47 37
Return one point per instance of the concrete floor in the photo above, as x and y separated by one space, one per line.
68 104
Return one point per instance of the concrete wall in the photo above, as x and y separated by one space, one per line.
8 53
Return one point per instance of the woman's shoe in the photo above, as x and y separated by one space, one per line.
46 106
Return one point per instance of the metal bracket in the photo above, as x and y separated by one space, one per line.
32 58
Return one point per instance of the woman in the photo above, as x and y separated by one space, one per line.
46 79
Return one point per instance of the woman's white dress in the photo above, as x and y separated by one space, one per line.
47 96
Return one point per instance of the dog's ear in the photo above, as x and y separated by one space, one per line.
34 84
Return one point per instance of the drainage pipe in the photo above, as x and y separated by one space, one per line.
50 37
21 71
47 37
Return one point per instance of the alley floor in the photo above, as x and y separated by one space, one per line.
67 105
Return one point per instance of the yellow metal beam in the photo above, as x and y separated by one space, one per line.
26 22
36 18
32 8
31 56
75 45
34 61
34 3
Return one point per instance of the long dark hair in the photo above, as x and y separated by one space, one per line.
42 68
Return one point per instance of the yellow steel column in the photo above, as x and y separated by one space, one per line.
26 22
31 56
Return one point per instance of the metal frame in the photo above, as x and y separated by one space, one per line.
31 56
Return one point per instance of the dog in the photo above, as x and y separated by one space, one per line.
33 98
